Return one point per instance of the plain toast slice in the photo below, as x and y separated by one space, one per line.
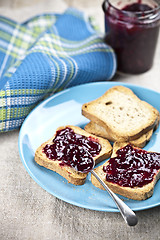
100 131
68 172
135 193
124 116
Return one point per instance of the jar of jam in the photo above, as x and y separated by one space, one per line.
132 29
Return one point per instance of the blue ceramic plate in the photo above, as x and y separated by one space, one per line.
65 108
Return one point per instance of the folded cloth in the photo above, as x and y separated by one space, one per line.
44 55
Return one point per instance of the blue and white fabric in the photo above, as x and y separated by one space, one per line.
44 55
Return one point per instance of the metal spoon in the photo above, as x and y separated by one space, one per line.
128 215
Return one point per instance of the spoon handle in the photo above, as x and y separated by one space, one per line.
128 215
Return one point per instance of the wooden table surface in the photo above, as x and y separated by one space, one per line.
26 210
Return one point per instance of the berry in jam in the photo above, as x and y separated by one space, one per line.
73 150
132 167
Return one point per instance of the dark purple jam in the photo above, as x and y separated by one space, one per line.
137 7
132 167
132 31
73 150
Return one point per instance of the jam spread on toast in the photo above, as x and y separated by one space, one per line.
132 167
73 150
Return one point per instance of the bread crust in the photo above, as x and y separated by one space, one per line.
136 193
100 131
72 176
124 116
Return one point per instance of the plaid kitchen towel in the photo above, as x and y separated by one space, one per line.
44 55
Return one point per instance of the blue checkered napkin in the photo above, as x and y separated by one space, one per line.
44 55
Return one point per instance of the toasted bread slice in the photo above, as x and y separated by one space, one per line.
124 116
100 131
135 193
68 172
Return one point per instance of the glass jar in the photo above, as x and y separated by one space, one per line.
132 29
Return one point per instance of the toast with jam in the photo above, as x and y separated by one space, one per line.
131 172
122 115
72 152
